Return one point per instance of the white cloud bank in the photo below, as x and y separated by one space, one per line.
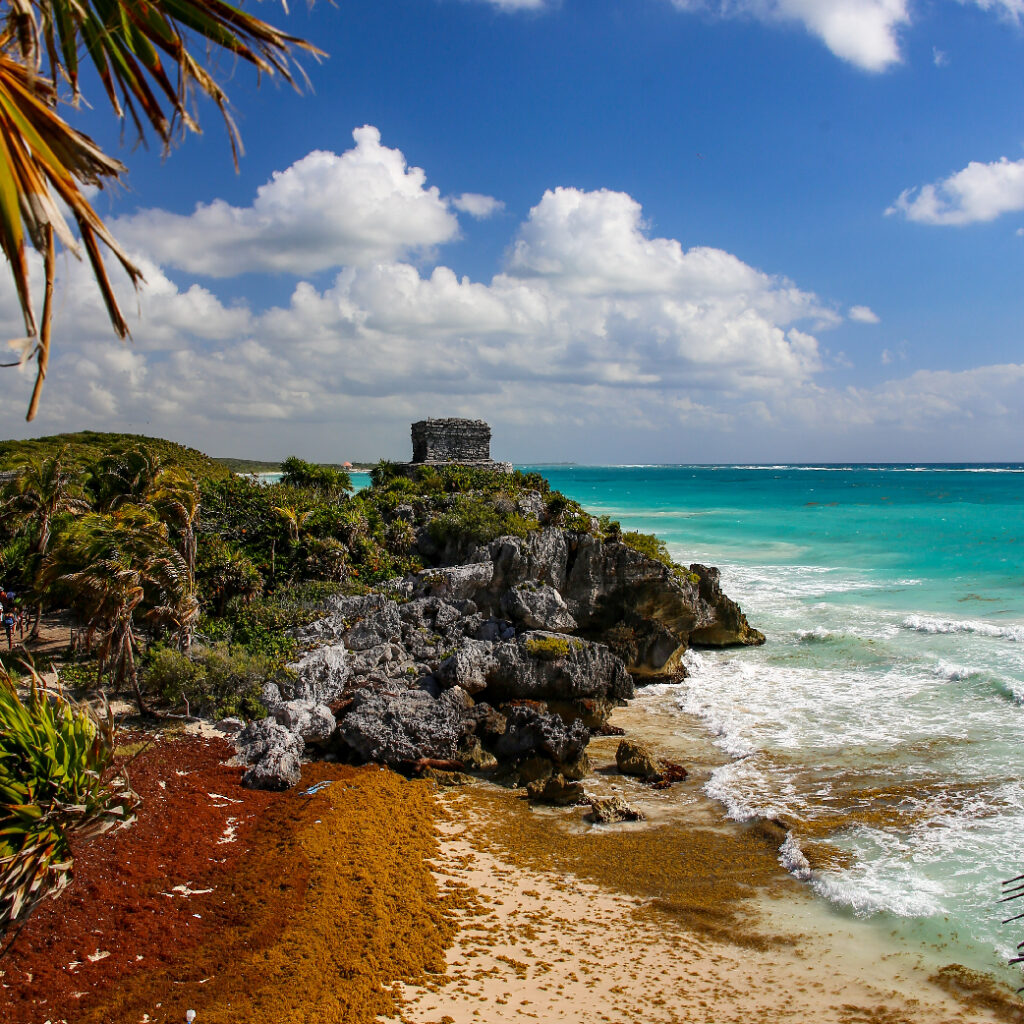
594 334
324 211
980 192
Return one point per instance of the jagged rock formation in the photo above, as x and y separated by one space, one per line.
506 655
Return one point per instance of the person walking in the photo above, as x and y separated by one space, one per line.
9 628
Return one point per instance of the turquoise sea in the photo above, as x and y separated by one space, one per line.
884 718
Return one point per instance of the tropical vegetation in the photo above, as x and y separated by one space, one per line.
57 784
187 583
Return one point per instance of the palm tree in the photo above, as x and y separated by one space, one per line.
175 494
139 51
45 490
117 563
127 477
294 518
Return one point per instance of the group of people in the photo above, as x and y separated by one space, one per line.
13 617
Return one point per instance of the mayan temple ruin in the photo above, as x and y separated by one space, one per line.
454 441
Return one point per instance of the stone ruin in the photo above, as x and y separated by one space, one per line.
453 441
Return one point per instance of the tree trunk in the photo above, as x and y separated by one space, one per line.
128 641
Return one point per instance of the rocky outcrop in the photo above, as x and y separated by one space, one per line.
657 610
403 727
505 656
537 606
633 758
611 810
729 625
272 753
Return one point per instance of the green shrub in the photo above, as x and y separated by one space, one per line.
54 784
473 517
216 681
649 545
326 559
225 573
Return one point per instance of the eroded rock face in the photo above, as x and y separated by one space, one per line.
510 654
537 666
730 625
321 674
532 730
603 585
313 722
402 727
537 606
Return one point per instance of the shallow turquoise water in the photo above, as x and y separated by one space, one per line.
892 683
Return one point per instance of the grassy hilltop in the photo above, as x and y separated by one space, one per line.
89 446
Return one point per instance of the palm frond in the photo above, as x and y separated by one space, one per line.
42 158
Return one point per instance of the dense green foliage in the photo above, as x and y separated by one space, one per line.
55 758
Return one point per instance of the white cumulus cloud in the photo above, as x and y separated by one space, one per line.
863 32
594 333
476 205
980 192
324 211
863 315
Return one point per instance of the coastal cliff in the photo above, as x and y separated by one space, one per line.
504 655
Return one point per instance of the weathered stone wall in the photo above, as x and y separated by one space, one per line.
451 440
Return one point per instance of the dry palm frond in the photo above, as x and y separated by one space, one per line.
139 50
42 158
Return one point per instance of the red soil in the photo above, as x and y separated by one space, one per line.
194 824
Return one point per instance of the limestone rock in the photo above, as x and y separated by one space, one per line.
537 606
531 730
469 667
321 674
313 722
549 666
273 753
730 625
393 728
634 758
555 790
609 810
454 582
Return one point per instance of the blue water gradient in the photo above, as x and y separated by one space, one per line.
892 681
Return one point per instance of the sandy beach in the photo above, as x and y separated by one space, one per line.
373 898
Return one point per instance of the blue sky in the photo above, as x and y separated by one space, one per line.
767 230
